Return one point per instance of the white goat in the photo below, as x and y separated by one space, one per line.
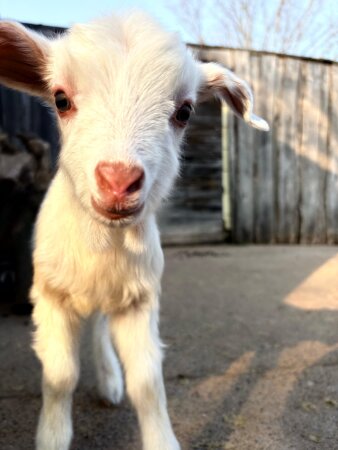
123 90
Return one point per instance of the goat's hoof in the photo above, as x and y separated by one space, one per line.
111 393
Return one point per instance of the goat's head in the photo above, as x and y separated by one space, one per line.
123 90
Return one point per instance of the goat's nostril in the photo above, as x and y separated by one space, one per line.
136 185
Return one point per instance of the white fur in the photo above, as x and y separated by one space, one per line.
108 370
126 78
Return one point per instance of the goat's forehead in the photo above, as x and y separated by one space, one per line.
132 54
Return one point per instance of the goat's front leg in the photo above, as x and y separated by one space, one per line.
57 346
137 341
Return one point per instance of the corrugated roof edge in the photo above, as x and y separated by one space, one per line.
263 52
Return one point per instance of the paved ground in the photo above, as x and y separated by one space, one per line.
252 358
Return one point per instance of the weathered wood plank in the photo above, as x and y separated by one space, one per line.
263 85
287 119
229 152
313 151
331 195
243 141
324 130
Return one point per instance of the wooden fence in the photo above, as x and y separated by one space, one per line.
194 211
284 184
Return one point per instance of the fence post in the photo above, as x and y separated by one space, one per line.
226 203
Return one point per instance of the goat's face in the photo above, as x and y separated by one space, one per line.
123 91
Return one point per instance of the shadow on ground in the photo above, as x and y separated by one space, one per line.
252 357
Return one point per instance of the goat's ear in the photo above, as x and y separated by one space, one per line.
23 56
224 84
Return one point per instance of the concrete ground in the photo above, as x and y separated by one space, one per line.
251 363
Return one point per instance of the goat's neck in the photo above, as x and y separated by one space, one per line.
98 236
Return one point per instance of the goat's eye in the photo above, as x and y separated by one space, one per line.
62 102
182 115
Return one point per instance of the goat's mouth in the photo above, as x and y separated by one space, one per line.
115 213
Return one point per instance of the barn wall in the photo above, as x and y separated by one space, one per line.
284 184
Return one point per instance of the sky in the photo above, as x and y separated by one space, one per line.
66 12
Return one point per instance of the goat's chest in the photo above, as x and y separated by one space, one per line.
111 281
88 276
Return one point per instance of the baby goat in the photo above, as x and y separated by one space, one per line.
123 91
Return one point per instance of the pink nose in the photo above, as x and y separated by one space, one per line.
117 181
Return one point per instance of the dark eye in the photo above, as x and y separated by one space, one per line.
182 115
62 102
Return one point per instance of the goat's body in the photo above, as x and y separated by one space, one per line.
88 266
82 267
80 271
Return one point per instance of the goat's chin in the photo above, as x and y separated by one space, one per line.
116 219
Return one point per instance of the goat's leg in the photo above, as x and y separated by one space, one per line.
108 370
137 341
57 346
